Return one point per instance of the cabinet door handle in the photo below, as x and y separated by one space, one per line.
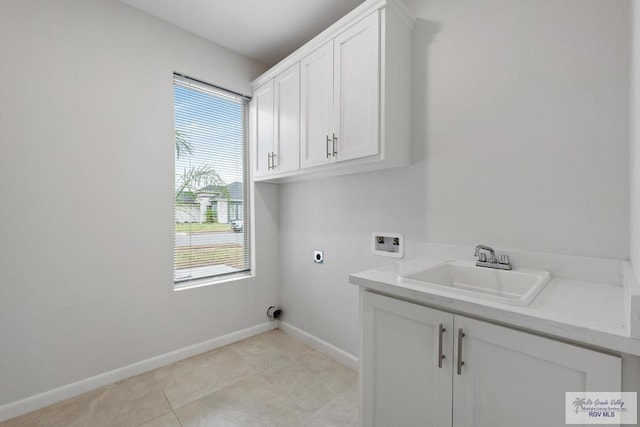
460 361
273 160
441 331
268 161
335 145
328 152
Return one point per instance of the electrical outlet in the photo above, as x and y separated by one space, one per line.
318 257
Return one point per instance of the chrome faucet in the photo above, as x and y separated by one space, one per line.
502 263
482 256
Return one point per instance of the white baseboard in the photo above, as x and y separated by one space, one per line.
50 397
338 354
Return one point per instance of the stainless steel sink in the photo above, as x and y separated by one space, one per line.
517 287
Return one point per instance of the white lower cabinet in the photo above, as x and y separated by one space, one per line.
488 375
402 382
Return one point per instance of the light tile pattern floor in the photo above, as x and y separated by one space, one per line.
271 379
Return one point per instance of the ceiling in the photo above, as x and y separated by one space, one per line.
264 30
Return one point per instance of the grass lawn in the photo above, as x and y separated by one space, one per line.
207 227
200 256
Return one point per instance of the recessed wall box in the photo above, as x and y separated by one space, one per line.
387 244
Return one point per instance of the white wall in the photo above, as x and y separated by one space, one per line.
338 216
528 133
520 141
635 138
86 119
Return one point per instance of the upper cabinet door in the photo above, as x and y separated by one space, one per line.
287 120
512 378
263 144
357 89
316 97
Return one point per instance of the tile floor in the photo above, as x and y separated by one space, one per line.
271 379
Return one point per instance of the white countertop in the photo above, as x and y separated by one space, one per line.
586 312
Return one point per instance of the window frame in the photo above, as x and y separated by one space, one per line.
247 186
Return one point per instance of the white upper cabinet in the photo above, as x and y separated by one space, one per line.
276 123
316 100
286 155
356 89
340 97
263 128
354 99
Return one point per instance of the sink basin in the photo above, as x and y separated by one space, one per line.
516 287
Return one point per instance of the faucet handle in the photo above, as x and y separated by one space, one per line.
482 257
504 259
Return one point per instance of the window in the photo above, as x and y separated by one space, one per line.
211 200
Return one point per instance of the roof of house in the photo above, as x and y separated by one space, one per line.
212 189
236 190
185 198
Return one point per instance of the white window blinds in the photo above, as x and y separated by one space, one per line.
211 164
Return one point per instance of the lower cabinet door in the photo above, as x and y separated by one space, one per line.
512 378
402 381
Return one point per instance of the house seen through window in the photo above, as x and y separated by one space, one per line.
211 227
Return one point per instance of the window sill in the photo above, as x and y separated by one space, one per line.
208 281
